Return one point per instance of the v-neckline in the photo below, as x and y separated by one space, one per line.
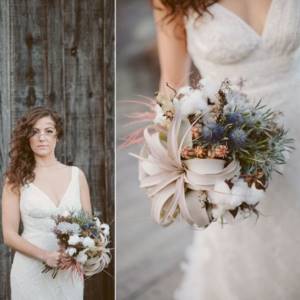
61 198
245 23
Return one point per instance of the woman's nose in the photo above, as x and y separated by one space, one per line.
42 137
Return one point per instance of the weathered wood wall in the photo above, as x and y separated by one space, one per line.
60 53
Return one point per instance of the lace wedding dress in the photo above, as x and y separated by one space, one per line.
252 260
27 281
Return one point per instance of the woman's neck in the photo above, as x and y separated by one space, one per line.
42 162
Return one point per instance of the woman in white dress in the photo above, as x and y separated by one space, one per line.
38 186
257 40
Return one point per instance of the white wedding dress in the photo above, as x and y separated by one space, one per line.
252 260
27 280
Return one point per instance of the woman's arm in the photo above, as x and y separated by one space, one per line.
84 193
10 227
173 56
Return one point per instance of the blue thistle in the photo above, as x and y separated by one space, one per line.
238 137
235 118
212 133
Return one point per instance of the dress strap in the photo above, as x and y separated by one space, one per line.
75 173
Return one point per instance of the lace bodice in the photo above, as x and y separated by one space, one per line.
37 208
224 45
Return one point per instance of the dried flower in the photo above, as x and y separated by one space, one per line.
221 151
200 152
196 130
187 152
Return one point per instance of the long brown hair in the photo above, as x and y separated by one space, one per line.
182 7
22 162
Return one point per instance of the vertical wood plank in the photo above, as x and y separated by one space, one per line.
89 100
53 59
5 126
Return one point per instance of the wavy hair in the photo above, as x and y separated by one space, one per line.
22 162
182 7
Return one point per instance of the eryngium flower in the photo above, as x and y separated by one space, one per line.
212 133
238 137
235 118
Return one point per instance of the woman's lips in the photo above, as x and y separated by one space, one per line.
42 146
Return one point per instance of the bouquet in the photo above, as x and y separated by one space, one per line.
83 242
209 154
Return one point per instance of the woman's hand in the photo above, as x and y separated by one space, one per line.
52 259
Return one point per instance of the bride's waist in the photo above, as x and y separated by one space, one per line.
44 240
269 74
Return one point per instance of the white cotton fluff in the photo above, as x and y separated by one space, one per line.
105 229
221 195
159 115
192 101
239 192
210 88
81 257
97 221
71 251
88 242
66 214
74 239
254 195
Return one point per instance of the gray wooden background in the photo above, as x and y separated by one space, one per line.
149 257
60 53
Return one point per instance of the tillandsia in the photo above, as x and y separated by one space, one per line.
83 243
212 155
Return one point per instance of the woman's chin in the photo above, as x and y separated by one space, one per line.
42 153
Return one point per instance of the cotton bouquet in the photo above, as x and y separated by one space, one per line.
83 242
211 154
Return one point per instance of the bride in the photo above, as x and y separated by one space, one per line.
257 40
37 186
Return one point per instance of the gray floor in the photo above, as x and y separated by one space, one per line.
148 256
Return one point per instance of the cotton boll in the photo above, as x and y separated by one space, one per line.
66 214
74 239
221 194
210 88
88 242
239 192
105 229
254 195
190 103
185 90
97 221
81 257
198 101
71 251
159 115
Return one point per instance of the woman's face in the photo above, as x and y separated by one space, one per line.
43 140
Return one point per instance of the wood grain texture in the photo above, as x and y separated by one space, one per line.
5 127
60 53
